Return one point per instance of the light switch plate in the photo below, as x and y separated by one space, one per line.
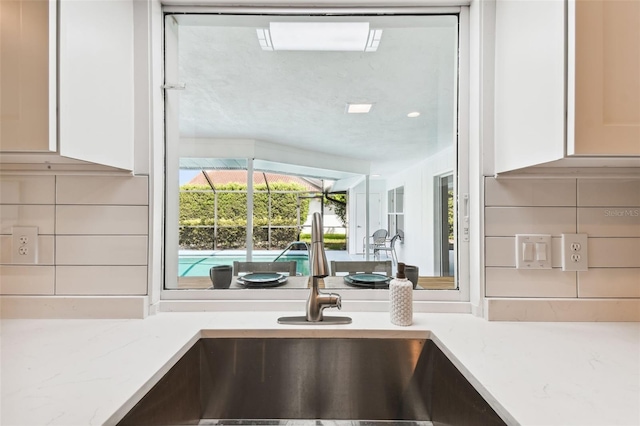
533 251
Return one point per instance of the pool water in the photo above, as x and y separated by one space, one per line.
199 266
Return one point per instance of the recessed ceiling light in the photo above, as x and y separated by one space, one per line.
327 36
413 114
358 108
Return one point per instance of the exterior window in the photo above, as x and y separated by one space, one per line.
267 131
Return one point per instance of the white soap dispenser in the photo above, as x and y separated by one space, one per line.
401 298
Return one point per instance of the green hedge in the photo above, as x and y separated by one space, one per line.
331 241
197 213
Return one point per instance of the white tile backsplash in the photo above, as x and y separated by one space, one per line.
101 280
609 192
101 250
607 210
563 310
41 216
27 189
609 282
509 221
102 220
113 190
65 307
530 192
609 222
93 241
31 279
511 282
614 252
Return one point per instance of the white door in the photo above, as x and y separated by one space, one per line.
361 213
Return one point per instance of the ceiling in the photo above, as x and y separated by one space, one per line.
236 90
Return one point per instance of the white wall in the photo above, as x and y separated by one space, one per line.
419 212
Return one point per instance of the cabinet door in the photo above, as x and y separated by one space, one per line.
529 83
607 77
27 75
96 82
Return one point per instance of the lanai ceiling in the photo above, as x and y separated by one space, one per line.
236 90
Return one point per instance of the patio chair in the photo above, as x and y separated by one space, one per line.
288 267
357 266
388 249
377 239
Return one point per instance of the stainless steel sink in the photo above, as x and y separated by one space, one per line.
279 380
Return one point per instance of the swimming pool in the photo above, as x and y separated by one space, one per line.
193 265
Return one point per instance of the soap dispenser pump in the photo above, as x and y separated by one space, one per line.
401 298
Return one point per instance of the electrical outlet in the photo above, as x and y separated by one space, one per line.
24 248
574 252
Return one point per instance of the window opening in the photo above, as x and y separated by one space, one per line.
254 114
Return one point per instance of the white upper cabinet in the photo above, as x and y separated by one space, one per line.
67 90
529 84
96 82
567 82
27 75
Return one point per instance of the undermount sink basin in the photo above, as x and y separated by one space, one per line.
278 380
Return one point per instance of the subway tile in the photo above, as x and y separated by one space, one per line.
609 192
27 189
68 307
562 310
32 279
115 190
41 216
45 249
530 192
101 250
509 221
510 282
102 220
101 280
609 222
501 252
614 252
609 282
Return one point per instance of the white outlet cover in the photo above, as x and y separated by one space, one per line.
540 247
24 244
575 252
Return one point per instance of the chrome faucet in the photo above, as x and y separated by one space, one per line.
317 301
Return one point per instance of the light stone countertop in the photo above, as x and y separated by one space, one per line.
91 372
